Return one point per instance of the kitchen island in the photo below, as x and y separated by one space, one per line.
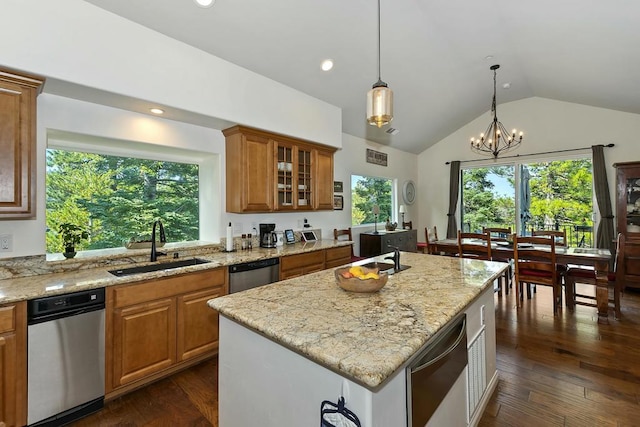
286 347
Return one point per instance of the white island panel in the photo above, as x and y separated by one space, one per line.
263 383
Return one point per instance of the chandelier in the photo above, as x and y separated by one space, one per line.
496 139
380 97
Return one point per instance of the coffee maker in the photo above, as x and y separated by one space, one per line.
268 236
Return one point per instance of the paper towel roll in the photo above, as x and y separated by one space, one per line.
229 247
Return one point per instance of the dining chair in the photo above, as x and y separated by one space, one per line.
427 247
560 236
474 245
407 225
535 263
501 234
587 276
340 235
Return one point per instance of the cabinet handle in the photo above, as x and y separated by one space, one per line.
13 92
1 343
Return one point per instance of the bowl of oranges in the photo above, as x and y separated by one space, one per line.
360 279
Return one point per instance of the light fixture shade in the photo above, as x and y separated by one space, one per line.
379 105
402 209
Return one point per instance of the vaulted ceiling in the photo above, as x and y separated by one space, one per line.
436 54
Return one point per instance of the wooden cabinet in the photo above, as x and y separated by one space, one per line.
628 199
18 94
267 172
300 264
158 326
337 256
372 244
13 365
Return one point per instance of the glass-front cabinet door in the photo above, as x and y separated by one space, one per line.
628 198
284 171
304 177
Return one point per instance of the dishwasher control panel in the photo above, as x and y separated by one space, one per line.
50 305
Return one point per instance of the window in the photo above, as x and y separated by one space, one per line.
367 192
552 195
118 198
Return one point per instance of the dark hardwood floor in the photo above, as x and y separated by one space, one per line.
553 371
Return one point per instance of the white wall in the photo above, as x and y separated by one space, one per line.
61 120
68 117
351 160
76 42
548 125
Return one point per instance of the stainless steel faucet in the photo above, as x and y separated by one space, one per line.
395 257
155 254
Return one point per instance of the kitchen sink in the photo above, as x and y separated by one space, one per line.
385 266
158 267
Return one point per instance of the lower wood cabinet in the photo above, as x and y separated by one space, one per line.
335 257
13 365
310 262
157 327
300 264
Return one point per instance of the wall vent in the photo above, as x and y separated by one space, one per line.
392 131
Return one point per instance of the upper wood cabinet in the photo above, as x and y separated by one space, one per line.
628 199
267 172
18 94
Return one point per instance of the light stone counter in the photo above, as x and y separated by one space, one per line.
362 337
80 274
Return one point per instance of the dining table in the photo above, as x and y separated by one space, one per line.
597 258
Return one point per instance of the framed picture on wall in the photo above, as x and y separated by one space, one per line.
337 186
338 203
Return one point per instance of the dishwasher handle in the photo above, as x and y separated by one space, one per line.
435 355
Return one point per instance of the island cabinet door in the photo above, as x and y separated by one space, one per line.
197 324
144 340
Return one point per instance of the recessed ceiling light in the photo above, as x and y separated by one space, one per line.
156 110
327 64
205 3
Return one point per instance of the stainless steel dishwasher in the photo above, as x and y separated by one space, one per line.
65 365
252 274
433 373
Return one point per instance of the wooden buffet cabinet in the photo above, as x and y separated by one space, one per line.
267 172
18 94
628 199
13 364
160 326
372 244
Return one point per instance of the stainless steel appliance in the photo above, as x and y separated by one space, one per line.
253 274
268 236
65 357
434 371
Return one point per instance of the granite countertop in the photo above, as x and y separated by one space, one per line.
364 337
94 274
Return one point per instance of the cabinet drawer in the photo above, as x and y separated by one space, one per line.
300 261
343 252
7 319
168 287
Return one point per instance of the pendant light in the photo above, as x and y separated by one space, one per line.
496 139
380 97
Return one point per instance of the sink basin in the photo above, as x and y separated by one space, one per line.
157 267
385 266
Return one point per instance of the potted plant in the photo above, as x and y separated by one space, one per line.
72 234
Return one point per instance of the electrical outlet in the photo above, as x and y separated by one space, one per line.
6 242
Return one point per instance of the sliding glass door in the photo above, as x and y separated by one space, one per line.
552 195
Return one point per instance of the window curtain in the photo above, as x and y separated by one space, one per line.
604 234
454 189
